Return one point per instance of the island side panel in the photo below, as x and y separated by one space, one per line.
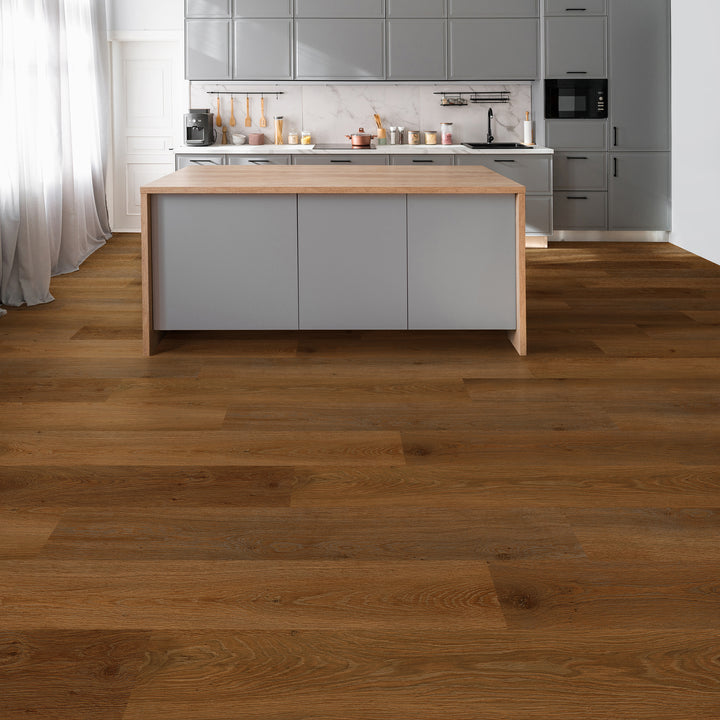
151 337
462 262
518 337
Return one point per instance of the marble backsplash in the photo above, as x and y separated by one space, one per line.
330 112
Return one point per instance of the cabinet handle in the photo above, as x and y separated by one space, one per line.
505 161
615 167
575 9
576 157
423 161
576 72
615 135
342 161
259 162
577 197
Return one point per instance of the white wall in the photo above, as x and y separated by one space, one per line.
144 15
696 127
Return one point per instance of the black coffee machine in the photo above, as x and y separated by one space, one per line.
199 129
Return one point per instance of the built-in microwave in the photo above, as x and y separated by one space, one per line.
576 99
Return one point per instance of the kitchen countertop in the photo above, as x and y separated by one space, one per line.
381 150
322 179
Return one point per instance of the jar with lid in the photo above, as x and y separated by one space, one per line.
446 133
430 137
393 135
279 129
413 137
293 137
306 137
401 135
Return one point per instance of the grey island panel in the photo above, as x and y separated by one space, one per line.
224 262
461 262
352 253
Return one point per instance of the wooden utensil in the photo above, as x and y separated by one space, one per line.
248 119
378 122
232 111
218 119
263 119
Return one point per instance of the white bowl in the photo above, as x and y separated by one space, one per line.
239 139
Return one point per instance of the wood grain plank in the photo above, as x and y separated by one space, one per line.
23 533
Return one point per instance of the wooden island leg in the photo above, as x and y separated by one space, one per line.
518 337
151 337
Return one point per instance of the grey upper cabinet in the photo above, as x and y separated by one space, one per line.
493 8
576 134
639 191
576 47
340 8
207 8
416 8
207 49
640 72
417 49
263 8
575 7
337 49
493 49
263 49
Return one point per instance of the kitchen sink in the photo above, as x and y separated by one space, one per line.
498 145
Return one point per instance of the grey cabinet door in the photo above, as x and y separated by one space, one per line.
417 49
639 191
580 171
570 7
225 262
182 161
263 8
493 49
416 8
576 47
339 49
258 160
578 210
207 8
535 173
576 134
340 8
421 160
640 74
207 49
538 214
359 159
494 8
352 252
263 49
462 279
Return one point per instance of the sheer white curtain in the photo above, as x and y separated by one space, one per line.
53 139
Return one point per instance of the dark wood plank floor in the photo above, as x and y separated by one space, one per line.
367 526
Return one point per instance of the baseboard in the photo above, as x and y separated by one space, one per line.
536 241
656 236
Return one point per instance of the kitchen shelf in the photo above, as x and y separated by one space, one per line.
457 98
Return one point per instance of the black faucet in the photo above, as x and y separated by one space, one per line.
490 137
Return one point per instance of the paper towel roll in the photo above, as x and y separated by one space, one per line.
528 132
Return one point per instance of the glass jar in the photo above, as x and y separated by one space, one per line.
278 129
401 135
293 137
393 135
306 138
430 137
446 133
413 137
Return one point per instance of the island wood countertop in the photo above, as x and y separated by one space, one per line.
329 180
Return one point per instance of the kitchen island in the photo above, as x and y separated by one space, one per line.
333 248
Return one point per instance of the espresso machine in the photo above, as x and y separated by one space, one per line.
199 129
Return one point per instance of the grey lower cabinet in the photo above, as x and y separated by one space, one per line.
207 49
207 8
576 47
493 49
583 8
340 8
263 8
580 210
573 170
494 8
639 87
639 191
258 160
416 8
352 262
253 287
339 49
421 160
416 49
358 159
462 279
182 161
576 134
262 49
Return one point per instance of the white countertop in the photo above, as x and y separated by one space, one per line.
382 149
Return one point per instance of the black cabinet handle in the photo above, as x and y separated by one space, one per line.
615 167
576 157
505 161
259 162
575 9
341 161
576 72
615 135
424 161
577 197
